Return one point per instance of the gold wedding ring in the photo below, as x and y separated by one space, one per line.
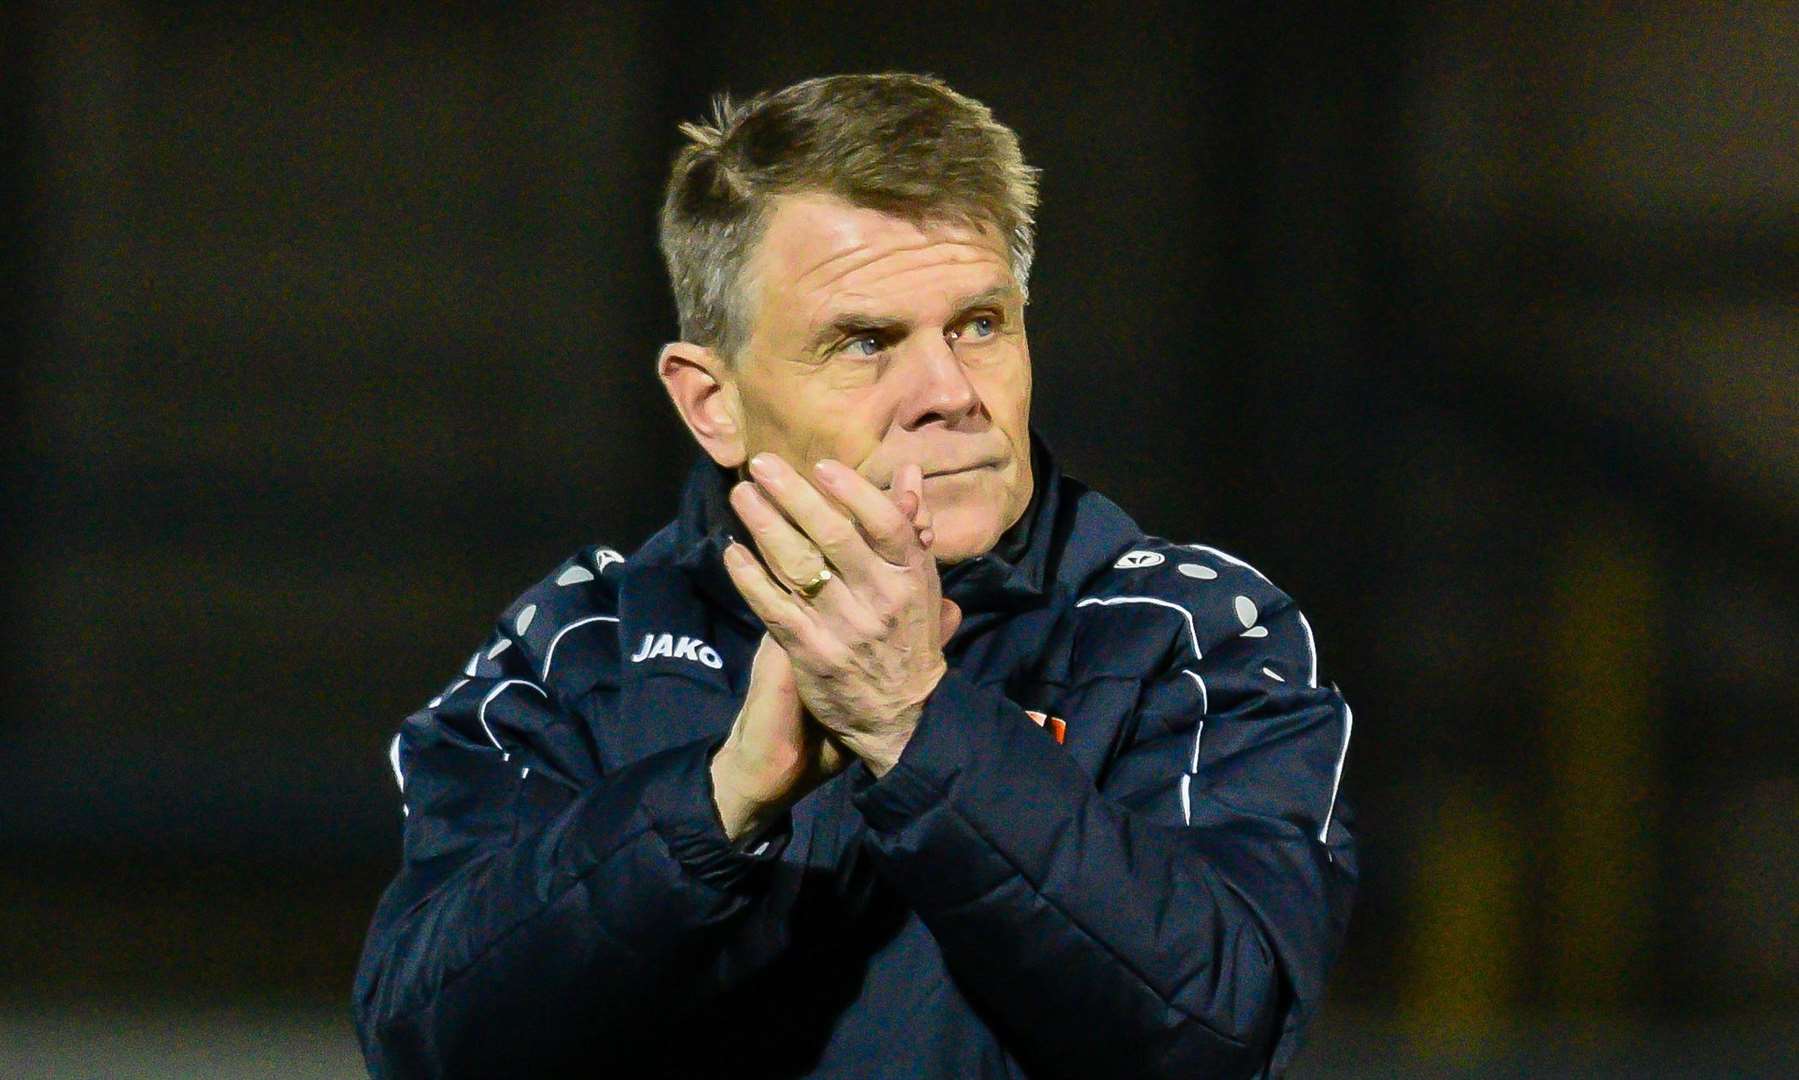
809 589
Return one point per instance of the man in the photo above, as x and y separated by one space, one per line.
897 753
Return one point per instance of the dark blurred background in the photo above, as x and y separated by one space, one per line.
1474 328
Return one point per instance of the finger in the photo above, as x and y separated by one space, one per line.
771 669
790 555
914 480
818 519
949 619
910 505
888 527
784 616
834 609
925 520
833 756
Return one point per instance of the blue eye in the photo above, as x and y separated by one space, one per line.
992 328
874 343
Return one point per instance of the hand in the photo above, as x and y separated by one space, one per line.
773 755
776 754
866 650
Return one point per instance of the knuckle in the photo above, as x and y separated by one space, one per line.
783 627
836 535
867 625
833 655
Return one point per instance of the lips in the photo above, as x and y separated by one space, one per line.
956 470
961 469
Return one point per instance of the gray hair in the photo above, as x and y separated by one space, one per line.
899 143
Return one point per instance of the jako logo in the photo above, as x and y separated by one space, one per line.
686 648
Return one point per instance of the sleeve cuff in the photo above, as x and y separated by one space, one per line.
679 805
958 715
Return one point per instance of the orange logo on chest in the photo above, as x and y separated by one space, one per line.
1055 725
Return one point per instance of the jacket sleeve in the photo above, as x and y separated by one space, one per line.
548 909
1177 918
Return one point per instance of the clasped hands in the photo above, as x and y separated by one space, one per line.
848 661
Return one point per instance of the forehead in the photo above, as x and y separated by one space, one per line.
818 250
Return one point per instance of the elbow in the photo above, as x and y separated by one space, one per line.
1204 1050
396 1044
1231 1015
1201 1048
393 1027
372 1015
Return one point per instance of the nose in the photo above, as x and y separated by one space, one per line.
940 389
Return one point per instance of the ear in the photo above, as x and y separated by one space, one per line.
700 385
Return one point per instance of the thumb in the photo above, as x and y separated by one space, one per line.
771 672
949 617
921 514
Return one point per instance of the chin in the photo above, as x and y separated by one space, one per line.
957 541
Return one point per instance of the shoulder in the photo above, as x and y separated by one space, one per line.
1161 603
556 640
562 631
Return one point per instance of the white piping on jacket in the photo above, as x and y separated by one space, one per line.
1337 777
481 713
550 652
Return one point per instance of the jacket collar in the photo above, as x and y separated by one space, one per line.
1015 575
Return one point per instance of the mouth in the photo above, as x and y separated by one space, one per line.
961 470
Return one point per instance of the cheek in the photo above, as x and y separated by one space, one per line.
845 426
1006 388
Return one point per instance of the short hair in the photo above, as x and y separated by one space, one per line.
900 143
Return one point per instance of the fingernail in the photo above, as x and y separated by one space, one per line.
761 466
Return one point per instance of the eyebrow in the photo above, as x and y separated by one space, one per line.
851 323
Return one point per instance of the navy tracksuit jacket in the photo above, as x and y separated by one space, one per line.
1114 846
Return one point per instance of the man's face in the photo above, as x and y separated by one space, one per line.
876 343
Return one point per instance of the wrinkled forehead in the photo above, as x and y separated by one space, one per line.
818 251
